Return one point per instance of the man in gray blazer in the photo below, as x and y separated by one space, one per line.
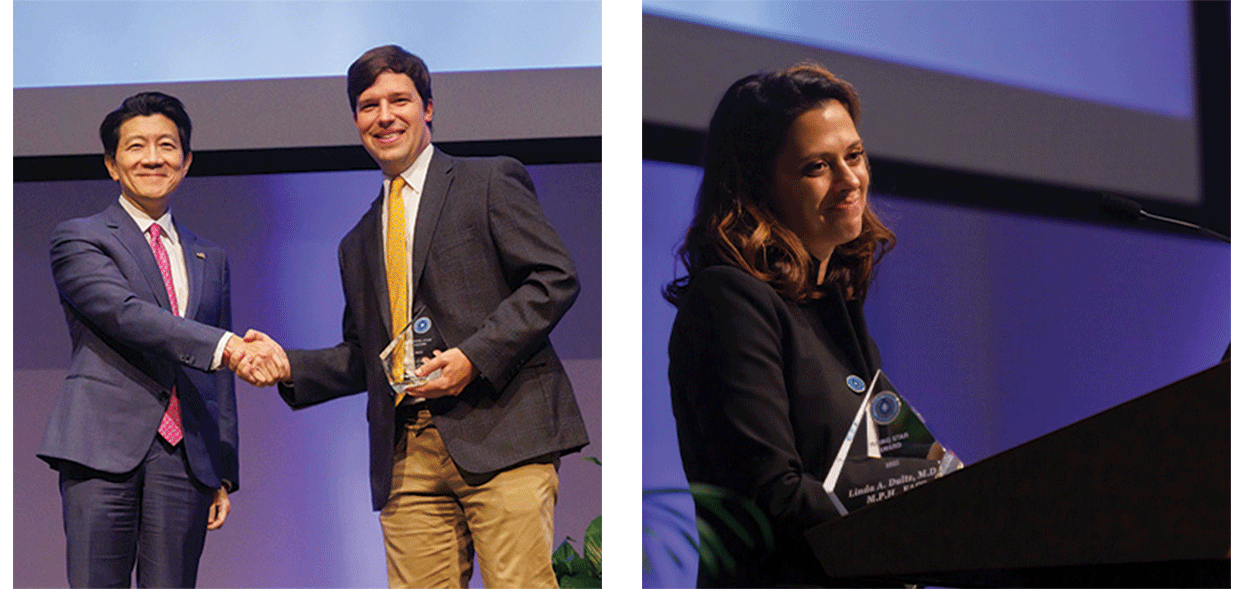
467 461
144 431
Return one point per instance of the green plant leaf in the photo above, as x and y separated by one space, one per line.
563 557
574 571
715 504
581 566
737 516
581 581
712 553
722 503
592 543
660 507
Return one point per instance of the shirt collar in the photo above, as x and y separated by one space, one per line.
416 175
143 220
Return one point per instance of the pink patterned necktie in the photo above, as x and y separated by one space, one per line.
170 426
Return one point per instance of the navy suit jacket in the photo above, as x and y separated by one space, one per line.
130 350
495 276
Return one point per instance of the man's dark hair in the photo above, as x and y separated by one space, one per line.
366 69
145 104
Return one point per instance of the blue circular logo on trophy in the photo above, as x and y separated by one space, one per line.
856 383
413 346
885 408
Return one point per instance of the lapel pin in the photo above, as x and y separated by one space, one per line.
856 383
201 255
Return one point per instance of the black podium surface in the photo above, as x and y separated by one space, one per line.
1135 496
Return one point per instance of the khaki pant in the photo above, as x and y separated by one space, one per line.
437 516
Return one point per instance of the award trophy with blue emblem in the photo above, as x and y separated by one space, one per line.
416 344
894 453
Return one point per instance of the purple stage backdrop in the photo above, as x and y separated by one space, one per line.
302 518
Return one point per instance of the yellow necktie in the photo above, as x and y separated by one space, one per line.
397 257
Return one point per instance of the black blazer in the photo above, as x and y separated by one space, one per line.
490 268
761 403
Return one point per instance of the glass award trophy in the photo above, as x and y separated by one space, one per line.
416 344
887 451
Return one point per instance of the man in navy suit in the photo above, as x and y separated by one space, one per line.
457 246
144 431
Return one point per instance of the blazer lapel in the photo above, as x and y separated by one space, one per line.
195 260
371 232
863 336
434 192
840 320
126 231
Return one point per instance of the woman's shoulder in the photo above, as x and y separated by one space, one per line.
725 275
728 284
726 305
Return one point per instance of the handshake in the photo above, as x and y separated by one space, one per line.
257 359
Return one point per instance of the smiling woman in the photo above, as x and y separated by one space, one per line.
769 357
785 171
820 180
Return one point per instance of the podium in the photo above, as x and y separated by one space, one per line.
1134 496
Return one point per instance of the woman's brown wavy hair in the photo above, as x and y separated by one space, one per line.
734 222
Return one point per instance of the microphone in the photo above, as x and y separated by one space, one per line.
1127 209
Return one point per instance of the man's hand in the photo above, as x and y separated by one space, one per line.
457 372
220 507
257 359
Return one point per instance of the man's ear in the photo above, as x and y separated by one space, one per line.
185 166
430 109
110 163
